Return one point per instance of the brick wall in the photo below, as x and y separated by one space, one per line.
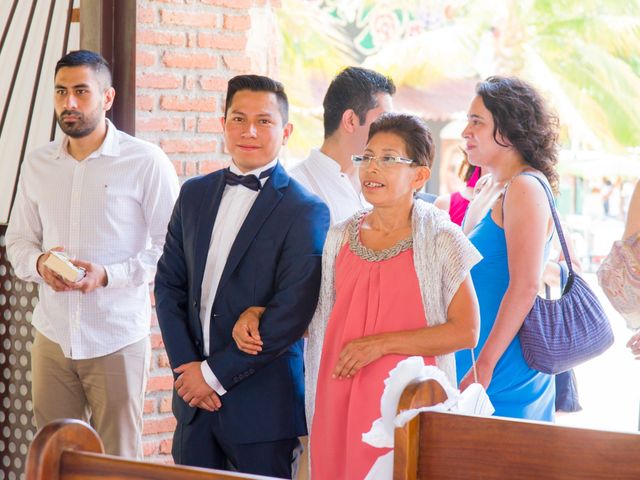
186 51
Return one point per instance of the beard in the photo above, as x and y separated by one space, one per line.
83 126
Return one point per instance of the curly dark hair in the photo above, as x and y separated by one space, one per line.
521 115
414 132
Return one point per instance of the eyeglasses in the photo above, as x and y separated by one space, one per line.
384 161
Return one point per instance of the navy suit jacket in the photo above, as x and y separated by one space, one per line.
275 262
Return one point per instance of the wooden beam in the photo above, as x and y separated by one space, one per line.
109 27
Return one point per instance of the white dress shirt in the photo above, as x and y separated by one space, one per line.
112 208
321 175
236 202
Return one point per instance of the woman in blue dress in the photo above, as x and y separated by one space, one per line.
511 135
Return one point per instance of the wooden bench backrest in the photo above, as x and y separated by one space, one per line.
451 446
72 450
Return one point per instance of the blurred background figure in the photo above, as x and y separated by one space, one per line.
619 274
456 203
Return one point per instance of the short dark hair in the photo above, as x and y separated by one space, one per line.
258 83
414 132
353 88
87 58
521 115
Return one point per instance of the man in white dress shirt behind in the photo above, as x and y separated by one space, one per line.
355 98
104 198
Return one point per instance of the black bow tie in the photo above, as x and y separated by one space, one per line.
250 181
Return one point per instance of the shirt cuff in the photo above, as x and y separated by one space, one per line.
211 379
33 267
116 276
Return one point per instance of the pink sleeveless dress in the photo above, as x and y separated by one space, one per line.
371 297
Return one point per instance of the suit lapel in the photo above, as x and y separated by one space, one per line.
206 218
270 195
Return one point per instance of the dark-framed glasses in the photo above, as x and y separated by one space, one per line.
383 161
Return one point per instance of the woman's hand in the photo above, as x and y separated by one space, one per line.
245 332
357 354
484 372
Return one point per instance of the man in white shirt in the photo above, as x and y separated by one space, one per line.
246 235
355 98
104 198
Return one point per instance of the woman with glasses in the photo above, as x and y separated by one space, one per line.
395 284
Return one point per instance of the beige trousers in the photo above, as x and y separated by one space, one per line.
106 391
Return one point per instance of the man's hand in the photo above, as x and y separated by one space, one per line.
55 281
357 354
193 389
245 331
211 403
95 276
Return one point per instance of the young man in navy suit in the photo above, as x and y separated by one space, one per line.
247 235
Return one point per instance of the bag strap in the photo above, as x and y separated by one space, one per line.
556 221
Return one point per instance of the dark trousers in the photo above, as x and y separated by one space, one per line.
202 443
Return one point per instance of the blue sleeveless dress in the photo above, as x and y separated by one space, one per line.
515 390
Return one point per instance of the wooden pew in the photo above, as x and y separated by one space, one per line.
72 450
447 446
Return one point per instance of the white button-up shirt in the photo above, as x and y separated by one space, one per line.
321 175
112 208
234 207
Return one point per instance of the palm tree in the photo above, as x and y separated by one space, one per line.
584 54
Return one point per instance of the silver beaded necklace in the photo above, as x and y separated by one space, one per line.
356 246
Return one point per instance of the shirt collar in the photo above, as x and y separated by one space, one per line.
110 146
234 168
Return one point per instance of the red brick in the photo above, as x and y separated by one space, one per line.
187 104
230 3
190 125
189 83
165 445
156 338
160 383
159 80
239 64
192 40
163 425
190 168
237 22
144 58
209 125
150 448
158 124
150 406
145 102
145 15
153 37
221 41
188 146
165 405
177 164
209 166
189 60
189 19
217 84
163 359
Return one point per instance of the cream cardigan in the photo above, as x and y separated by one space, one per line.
442 255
